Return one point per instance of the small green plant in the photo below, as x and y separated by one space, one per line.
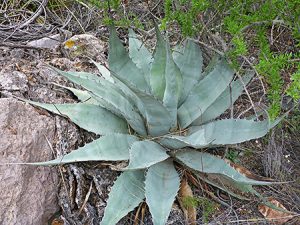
271 66
185 13
294 88
232 155
159 112
208 207
123 19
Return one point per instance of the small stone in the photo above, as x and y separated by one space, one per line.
51 42
84 45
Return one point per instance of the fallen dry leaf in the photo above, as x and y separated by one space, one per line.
275 216
189 211
246 172
57 221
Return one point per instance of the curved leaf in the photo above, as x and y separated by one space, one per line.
235 189
173 87
195 140
117 102
90 117
161 187
82 75
112 98
223 102
122 66
144 154
140 55
205 93
113 147
220 132
207 163
104 71
190 62
232 131
157 77
157 118
82 96
126 194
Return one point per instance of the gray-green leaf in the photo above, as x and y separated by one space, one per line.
104 71
157 118
126 194
173 87
161 187
112 98
190 62
223 102
121 65
89 117
157 77
205 93
140 55
208 163
83 96
144 154
113 147
219 132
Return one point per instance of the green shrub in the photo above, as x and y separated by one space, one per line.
245 14
185 13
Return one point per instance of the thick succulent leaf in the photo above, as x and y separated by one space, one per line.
205 93
90 117
121 65
236 189
79 79
208 163
104 71
140 55
112 98
112 147
157 77
224 101
232 131
83 96
83 75
119 104
190 62
144 154
220 132
161 187
173 87
157 117
211 65
126 194
195 140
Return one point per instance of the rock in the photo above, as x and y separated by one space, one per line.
28 193
51 42
13 81
84 45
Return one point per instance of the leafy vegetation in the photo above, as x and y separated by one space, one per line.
208 207
158 112
122 19
240 16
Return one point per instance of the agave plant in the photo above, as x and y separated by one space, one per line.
158 112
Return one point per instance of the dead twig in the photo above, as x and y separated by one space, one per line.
207 46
